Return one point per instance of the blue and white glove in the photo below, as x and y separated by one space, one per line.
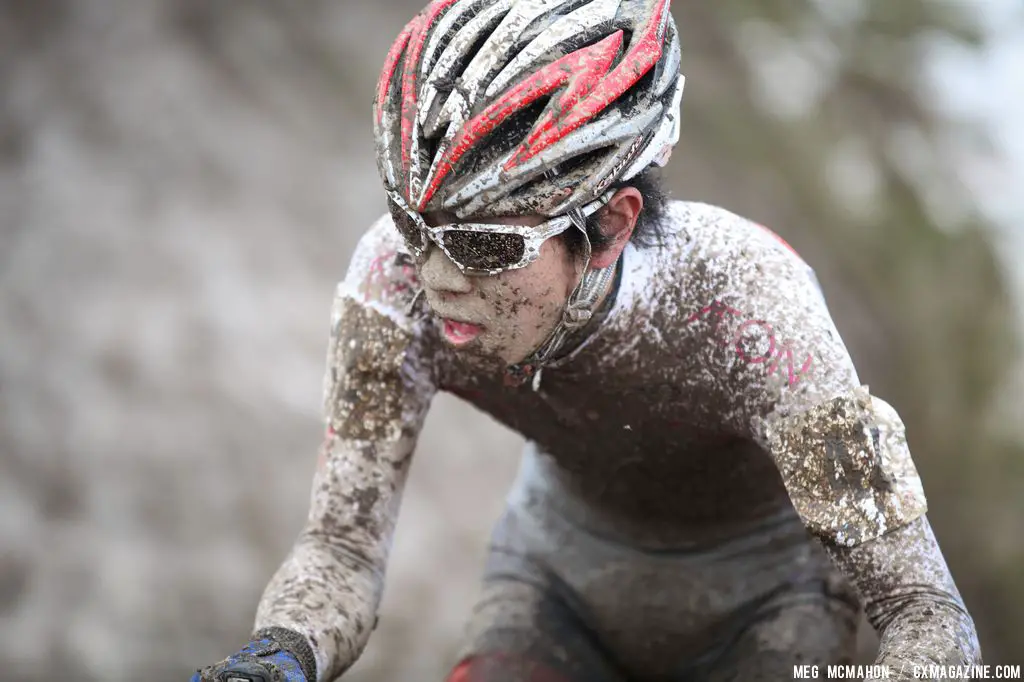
273 655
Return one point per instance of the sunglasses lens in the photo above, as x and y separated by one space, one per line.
484 250
406 227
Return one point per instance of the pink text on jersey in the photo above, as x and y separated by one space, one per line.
776 351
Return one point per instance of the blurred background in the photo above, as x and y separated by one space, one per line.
183 181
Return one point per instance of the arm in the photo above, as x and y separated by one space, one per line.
841 452
847 468
377 390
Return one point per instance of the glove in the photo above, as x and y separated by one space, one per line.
273 655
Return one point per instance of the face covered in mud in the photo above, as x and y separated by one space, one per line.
506 315
509 314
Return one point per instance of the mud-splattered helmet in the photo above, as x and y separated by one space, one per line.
508 107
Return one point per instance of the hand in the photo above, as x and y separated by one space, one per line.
261 660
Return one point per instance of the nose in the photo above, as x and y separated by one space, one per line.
438 273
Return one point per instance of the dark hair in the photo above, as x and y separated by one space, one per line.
647 232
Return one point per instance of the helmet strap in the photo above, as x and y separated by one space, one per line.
579 310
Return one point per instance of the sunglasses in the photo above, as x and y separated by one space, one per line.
484 248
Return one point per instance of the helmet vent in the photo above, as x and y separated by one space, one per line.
503 139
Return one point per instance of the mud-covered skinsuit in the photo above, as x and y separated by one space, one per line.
649 535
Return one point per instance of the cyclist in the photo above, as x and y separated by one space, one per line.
707 491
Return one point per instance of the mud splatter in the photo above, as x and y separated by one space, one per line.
847 468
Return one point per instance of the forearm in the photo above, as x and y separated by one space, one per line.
911 599
329 587
327 594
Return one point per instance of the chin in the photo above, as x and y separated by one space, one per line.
487 351
513 358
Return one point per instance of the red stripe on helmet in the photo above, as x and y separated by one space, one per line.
390 64
643 54
581 69
423 23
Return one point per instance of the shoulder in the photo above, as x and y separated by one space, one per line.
748 293
710 254
714 233
713 252
378 356
381 275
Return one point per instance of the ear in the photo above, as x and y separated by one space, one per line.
618 219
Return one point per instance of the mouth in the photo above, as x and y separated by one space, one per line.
458 333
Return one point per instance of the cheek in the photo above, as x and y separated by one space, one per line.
556 270
535 293
509 298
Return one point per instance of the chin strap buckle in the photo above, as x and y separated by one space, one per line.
577 315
